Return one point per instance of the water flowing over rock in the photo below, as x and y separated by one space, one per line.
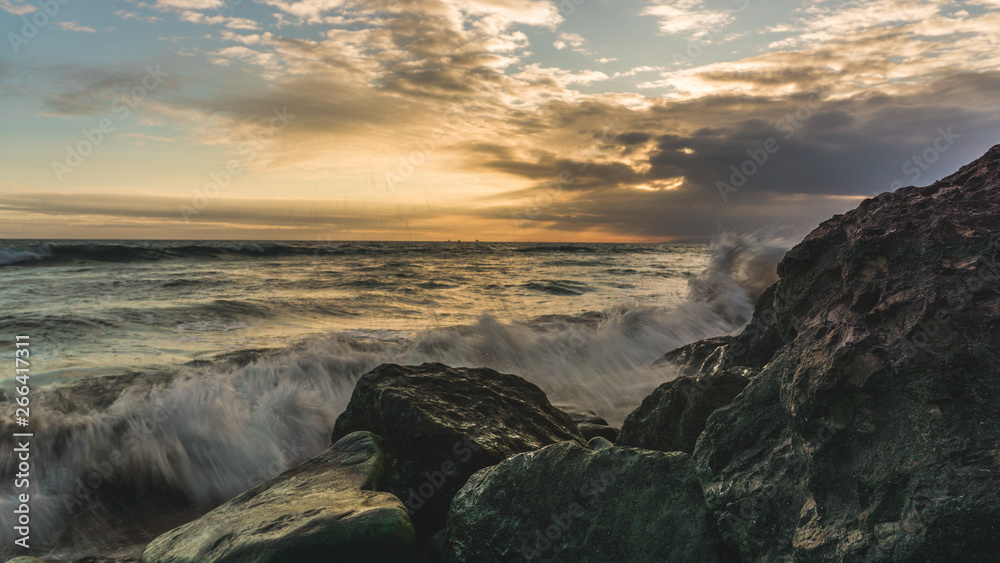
873 431
326 509
568 503
698 357
441 424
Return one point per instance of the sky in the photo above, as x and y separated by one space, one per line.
505 120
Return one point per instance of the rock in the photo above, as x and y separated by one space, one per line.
744 354
440 425
580 416
25 559
598 443
568 503
873 433
697 357
759 341
326 509
434 549
673 416
591 430
589 423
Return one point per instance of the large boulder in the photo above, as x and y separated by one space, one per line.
441 424
568 503
873 433
673 416
326 509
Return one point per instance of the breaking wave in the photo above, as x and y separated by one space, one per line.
199 435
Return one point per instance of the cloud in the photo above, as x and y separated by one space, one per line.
189 4
572 41
636 177
891 60
381 81
129 214
687 16
17 7
127 15
307 10
73 26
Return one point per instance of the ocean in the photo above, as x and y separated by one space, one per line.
185 372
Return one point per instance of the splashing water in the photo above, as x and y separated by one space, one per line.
197 436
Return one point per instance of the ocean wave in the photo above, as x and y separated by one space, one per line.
208 432
558 287
62 252
49 253
20 254
556 248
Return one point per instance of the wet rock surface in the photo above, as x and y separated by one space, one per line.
674 415
441 424
569 503
326 509
873 433
698 357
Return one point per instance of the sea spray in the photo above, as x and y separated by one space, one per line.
201 435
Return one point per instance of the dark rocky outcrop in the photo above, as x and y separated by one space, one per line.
758 343
326 509
873 431
568 503
673 416
697 357
441 424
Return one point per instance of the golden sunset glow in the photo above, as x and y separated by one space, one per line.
437 119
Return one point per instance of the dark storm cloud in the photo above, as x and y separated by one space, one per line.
633 138
840 147
827 154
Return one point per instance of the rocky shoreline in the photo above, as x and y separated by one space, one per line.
855 418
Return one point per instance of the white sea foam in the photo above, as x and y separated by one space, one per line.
208 436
